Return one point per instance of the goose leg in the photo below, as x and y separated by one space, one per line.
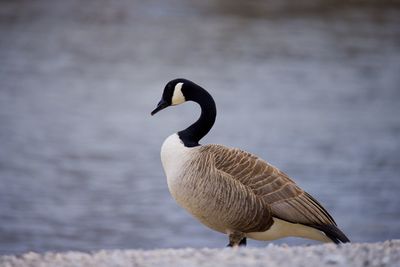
236 239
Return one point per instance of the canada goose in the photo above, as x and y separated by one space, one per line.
232 191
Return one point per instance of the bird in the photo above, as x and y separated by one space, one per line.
233 191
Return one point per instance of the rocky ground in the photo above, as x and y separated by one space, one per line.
357 254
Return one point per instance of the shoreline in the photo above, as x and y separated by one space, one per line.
385 253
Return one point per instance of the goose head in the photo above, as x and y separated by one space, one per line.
179 91
175 92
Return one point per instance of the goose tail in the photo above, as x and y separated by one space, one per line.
333 233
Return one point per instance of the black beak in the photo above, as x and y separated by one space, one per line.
161 105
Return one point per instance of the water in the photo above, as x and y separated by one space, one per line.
313 90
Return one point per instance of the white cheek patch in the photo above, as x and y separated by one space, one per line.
178 97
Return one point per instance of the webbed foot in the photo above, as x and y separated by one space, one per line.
237 239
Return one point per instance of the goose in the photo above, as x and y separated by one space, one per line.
232 191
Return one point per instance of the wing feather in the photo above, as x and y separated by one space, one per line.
285 198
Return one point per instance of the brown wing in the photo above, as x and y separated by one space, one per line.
287 200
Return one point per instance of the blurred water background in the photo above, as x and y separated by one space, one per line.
313 87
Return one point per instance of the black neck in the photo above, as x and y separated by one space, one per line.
192 135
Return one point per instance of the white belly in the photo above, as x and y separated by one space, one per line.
174 156
281 229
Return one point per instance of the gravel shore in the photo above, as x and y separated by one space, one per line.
357 254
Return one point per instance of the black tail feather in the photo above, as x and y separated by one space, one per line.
333 233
